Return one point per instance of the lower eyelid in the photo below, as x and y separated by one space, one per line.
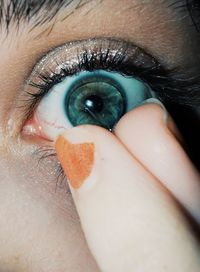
46 154
40 128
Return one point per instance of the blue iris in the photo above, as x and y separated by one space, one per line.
102 98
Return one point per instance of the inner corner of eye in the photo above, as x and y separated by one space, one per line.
34 128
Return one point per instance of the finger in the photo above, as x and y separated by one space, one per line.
130 222
150 134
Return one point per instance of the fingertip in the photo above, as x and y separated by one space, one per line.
151 135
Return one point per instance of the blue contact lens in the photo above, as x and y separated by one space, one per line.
101 98
98 98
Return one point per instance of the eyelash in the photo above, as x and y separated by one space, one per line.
90 62
48 152
169 85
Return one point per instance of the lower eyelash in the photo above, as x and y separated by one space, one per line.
47 152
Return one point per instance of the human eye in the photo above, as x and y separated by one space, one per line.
96 97
87 82
93 81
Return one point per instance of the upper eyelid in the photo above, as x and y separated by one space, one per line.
169 79
139 57
47 72
107 42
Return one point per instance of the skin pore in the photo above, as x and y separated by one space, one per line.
39 228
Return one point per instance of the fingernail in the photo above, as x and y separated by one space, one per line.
159 103
167 119
75 151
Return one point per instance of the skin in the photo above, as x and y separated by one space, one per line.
40 229
138 218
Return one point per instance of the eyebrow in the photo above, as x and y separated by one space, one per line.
193 7
44 11
34 11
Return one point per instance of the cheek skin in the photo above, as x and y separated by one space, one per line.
39 229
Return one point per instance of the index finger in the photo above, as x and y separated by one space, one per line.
130 221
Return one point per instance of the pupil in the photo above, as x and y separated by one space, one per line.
94 103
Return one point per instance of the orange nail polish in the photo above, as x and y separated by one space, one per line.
76 159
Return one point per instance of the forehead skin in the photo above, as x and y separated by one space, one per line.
29 194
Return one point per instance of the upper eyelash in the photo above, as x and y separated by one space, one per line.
90 62
169 85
